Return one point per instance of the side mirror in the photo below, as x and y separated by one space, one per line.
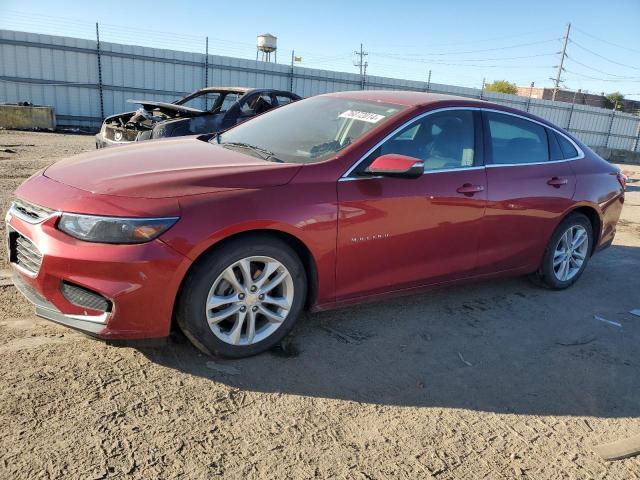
395 165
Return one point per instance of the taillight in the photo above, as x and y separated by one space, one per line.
622 180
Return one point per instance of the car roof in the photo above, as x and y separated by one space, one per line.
437 100
242 90
406 98
226 89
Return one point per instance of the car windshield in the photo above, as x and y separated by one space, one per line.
310 130
202 101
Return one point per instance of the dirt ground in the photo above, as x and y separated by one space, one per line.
491 380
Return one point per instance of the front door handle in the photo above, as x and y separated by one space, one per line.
469 189
557 182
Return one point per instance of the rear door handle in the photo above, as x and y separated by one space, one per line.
469 189
557 182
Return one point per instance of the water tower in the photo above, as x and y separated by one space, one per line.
267 44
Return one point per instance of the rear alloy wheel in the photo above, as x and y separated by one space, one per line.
570 253
567 254
243 298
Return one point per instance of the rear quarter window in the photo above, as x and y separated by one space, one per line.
568 150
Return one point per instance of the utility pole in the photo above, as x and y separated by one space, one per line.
563 55
361 63
429 81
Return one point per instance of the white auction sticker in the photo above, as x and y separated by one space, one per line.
362 116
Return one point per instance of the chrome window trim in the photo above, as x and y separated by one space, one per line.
429 172
576 146
400 128
498 165
346 176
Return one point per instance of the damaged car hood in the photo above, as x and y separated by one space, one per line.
165 106
168 168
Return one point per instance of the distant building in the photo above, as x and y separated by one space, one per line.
578 97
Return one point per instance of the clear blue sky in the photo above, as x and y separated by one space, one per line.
461 41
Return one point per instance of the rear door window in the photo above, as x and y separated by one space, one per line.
514 140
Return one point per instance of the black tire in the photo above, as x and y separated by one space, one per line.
546 276
190 311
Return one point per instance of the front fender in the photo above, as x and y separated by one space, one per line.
306 212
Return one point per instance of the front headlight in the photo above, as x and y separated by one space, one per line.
91 228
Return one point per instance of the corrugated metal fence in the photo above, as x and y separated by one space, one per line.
63 72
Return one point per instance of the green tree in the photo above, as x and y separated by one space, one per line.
501 86
614 100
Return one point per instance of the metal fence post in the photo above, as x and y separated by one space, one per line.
570 116
293 57
99 72
206 62
530 93
573 103
613 114
636 142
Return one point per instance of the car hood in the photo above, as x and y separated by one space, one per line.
168 107
168 168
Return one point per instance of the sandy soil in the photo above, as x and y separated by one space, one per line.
490 380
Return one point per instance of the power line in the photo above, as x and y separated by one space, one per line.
600 79
602 56
449 44
478 51
621 77
426 60
607 41
467 64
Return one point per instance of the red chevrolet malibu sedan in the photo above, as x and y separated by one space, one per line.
329 201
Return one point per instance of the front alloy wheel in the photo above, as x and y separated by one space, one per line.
249 300
243 297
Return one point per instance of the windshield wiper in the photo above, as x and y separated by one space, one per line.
264 153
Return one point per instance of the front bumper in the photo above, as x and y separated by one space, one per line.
91 325
140 281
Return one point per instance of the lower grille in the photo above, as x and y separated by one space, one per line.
24 253
83 297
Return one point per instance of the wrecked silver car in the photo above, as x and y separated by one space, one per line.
208 110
